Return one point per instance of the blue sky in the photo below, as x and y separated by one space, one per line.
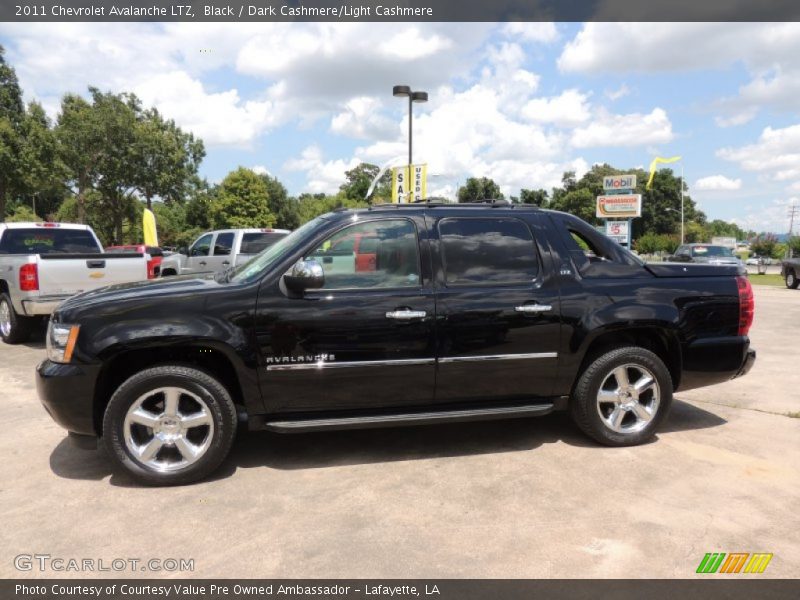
520 103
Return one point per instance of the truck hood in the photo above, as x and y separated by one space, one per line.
677 269
142 293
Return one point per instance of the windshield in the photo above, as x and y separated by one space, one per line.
711 251
259 263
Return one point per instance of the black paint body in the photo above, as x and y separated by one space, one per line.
458 354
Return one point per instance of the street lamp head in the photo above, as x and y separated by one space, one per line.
401 91
419 97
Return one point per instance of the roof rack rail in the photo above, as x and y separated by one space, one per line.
440 204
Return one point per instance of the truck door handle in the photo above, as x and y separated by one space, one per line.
406 314
96 264
533 308
226 262
202 263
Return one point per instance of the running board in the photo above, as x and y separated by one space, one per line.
405 419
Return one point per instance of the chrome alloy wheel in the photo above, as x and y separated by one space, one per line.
5 318
628 398
168 429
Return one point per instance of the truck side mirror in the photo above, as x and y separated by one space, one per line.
305 275
183 250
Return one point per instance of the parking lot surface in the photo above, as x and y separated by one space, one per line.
519 498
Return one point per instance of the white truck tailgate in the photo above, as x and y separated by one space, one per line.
76 274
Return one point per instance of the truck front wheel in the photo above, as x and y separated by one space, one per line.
169 425
14 329
622 397
791 279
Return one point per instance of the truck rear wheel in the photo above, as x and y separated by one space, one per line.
14 328
791 279
169 425
622 397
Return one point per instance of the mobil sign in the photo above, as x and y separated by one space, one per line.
619 182
619 206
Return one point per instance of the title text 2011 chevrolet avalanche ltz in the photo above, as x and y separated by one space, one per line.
468 312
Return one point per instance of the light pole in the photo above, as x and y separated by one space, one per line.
402 91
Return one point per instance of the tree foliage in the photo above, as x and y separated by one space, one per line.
242 200
476 189
358 180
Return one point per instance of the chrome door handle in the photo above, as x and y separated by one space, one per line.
202 263
533 308
406 315
226 262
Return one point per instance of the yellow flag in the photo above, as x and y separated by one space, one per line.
149 228
654 165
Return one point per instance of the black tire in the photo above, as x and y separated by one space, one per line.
791 279
18 328
585 407
199 383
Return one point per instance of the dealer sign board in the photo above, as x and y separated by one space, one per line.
619 182
619 231
620 206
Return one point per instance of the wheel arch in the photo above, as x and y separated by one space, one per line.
659 340
208 357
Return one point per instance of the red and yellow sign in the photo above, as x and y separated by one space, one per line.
619 206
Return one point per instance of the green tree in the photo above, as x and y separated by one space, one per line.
660 205
536 197
285 209
313 205
720 228
165 158
358 180
22 214
242 200
476 189
12 116
764 245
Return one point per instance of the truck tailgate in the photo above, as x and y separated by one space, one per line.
694 270
75 273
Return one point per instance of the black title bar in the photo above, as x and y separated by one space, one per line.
399 10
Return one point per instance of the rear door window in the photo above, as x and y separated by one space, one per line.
223 244
487 251
253 243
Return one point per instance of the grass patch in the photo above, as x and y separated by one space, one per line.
768 279
793 415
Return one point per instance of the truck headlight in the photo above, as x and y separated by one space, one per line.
61 341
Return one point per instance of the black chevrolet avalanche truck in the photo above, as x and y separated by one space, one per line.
393 315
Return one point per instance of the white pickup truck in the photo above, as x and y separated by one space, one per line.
216 251
43 264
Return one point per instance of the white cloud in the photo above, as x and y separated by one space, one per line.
222 118
569 108
413 44
717 183
769 51
362 118
775 151
618 93
260 170
610 130
324 176
532 32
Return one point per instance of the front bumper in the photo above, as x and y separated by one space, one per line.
67 393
